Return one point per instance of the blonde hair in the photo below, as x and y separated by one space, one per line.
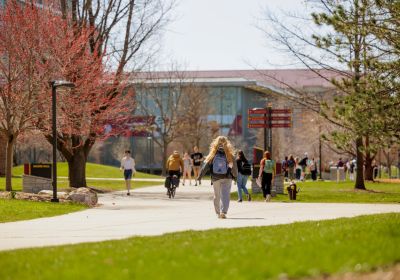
226 144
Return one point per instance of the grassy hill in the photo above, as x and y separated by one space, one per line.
92 171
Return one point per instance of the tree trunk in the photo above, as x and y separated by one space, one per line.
359 184
75 151
164 158
369 170
77 168
9 161
389 164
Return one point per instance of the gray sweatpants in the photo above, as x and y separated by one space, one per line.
222 192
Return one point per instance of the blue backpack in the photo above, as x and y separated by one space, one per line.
220 164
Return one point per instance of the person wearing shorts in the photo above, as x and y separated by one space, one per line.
187 169
128 166
197 159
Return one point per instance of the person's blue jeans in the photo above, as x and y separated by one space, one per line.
241 184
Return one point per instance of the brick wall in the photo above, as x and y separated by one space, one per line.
2 155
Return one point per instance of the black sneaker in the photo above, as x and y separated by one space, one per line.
239 200
199 182
248 197
128 194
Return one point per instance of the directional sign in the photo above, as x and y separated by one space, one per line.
265 111
257 111
257 118
257 125
274 118
269 118
281 111
281 118
274 125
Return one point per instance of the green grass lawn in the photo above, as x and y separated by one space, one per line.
339 192
92 171
294 250
98 184
16 210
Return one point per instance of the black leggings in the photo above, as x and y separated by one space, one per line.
314 175
266 183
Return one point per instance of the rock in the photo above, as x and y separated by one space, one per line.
60 195
83 195
31 196
5 195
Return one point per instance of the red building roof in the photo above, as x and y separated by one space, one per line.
296 78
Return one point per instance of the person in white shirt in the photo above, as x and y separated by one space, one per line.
128 166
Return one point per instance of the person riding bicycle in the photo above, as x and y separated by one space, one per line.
175 166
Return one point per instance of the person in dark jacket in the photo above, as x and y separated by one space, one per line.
303 164
243 175
222 165
291 163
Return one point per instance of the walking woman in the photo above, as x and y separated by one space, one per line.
313 169
187 169
223 168
244 171
197 159
267 174
291 167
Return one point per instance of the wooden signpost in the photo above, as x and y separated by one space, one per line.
269 118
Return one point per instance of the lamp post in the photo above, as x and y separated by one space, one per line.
148 154
318 122
54 85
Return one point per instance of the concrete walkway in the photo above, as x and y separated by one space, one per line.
149 212
155 180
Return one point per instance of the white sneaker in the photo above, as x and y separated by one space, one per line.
268 198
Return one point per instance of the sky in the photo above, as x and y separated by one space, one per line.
223 34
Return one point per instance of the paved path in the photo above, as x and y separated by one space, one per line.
121 179
149 212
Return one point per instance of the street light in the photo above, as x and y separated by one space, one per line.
319 147
54 85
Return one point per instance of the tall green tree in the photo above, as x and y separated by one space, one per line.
345 48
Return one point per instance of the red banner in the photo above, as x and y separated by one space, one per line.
236 127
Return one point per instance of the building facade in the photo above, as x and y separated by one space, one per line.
228 97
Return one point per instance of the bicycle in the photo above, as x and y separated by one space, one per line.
172 183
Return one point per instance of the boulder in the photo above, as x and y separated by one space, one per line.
83 195
31 197
60 195
5 195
